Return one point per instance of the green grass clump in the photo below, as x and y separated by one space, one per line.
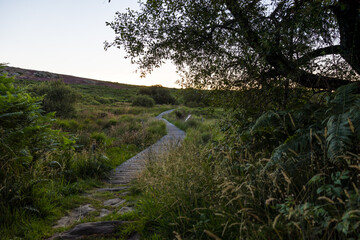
118 155
93 165
69 125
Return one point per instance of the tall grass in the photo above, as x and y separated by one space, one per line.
227 189
175 194
118 132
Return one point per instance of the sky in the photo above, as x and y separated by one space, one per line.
67 36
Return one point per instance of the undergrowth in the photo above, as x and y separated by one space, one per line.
284 175
46 163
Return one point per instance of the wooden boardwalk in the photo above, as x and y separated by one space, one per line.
129 170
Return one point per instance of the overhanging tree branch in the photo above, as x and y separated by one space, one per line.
318 53
280 63
197 35
311 80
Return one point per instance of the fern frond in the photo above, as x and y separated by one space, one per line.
266 120
344 98
308 115
339 135
298 143
355 116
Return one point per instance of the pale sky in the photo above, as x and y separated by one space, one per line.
66 36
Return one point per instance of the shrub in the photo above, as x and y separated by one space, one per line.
84 140
143 101
58 97
88 99
160 94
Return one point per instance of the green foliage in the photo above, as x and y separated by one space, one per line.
23 129
331 128
175 195
91 166
238 43
160 94
307 159
58 97
99 138
43 170
95 94
39 165
143 101
68 125
179 114
309 153
190 118
156 128
28 150
118 155
195 98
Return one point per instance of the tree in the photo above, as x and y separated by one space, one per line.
237 43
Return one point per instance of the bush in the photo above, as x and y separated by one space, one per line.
160 94
58 97
143 101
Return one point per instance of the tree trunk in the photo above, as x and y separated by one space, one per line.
348 17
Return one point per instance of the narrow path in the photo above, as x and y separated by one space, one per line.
122 175
129 170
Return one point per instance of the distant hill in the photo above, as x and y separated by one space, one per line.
34 75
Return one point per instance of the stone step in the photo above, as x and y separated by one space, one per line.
93 229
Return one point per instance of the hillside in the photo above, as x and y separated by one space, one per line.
35 75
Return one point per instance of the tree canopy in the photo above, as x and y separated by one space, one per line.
236 43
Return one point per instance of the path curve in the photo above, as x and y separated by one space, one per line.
129 170
124 174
